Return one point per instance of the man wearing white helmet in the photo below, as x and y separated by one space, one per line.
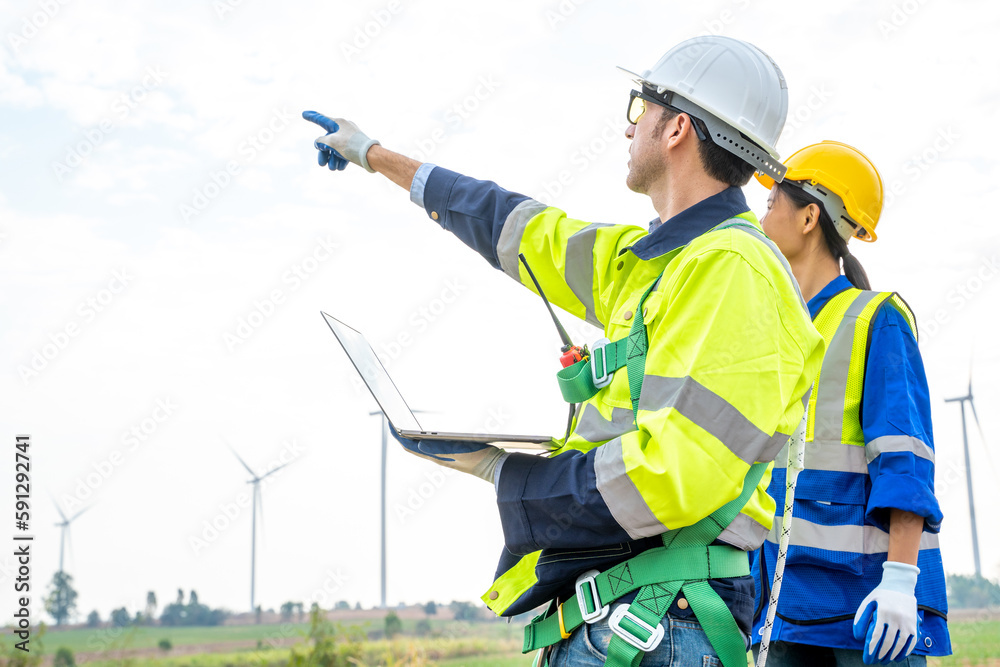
636 529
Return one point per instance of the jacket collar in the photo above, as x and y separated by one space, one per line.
832 289
690 223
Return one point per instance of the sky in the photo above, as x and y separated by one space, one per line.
167 242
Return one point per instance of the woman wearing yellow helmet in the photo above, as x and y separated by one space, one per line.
863 579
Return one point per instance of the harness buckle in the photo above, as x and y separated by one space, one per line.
592 612
599 364
655 634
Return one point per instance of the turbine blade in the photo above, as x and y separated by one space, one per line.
58 509
975 417
249 469
982 436
274 470
79 513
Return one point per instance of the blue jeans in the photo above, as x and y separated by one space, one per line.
684 645
786 654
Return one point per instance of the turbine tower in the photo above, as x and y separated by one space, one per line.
64 533
253 520
968 468
385 439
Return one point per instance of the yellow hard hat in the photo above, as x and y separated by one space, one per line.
847 173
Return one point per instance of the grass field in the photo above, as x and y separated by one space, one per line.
974 642
489 644
92 640
88 640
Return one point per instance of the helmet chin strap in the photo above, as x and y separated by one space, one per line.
732 139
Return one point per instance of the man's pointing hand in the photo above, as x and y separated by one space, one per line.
344 142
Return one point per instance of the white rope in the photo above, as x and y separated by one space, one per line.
796 461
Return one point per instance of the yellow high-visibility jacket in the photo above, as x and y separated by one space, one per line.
732 352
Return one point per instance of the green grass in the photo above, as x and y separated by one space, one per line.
98 639
404 651
236 659
490 644
974 643
94 640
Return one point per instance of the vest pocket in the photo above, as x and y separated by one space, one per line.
828 524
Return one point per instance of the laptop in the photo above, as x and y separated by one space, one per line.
394 407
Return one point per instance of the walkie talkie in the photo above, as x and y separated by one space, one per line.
571 354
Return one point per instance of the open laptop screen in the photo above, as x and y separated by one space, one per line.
374 374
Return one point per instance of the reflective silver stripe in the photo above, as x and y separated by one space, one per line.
580 267
832 456
624 501
593 427
777 253
898 443
831 392
509 243
849 539
744 533
712 413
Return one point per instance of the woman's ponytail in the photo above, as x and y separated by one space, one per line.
854 271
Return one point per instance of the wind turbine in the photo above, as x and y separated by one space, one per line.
968 467
253 521
64 533
385 440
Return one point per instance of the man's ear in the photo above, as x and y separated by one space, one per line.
678 129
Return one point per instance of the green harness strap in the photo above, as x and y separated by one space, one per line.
688 560
687 556
585 378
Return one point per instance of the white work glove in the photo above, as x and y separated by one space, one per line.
344 141
887 618
473 458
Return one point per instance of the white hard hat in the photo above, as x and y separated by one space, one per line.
731 86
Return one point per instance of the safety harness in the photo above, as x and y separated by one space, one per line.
687 560
683 565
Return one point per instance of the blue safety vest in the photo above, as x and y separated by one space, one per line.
839 539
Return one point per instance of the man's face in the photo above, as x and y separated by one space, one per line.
646 164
